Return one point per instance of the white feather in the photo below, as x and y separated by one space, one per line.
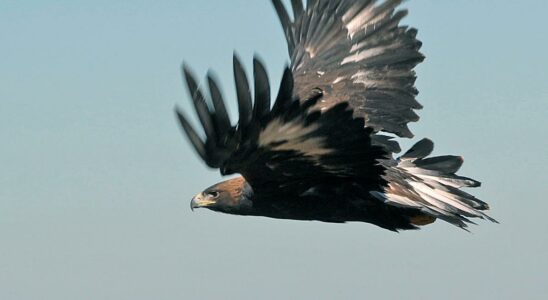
293 136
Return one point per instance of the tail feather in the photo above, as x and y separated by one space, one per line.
421 149
432 186
446 164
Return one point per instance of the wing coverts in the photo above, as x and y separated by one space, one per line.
355 52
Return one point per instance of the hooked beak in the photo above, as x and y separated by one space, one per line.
200 201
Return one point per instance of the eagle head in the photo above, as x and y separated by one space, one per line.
232 196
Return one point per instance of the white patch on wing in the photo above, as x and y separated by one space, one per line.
293 136
361 55
310 52
356 23
363 78
338 79
360 52
366 19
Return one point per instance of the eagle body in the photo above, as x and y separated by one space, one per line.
325 149
328 202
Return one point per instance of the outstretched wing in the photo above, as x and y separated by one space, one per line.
355 51
287 146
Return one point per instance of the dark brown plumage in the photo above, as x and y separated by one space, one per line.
317 153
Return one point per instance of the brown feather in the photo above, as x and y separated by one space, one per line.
421 220
234 187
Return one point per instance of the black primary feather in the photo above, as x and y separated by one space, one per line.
262 90
243 93
222 120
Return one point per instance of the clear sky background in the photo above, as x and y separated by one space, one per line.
96 177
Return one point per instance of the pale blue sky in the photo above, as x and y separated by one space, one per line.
95 176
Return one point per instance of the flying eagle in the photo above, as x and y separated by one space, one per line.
325 150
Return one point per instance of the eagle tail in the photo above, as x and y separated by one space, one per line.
431 185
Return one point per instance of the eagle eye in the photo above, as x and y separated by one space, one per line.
213 194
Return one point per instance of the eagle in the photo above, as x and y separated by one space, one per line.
326 149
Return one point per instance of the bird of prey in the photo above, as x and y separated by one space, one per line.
325 149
